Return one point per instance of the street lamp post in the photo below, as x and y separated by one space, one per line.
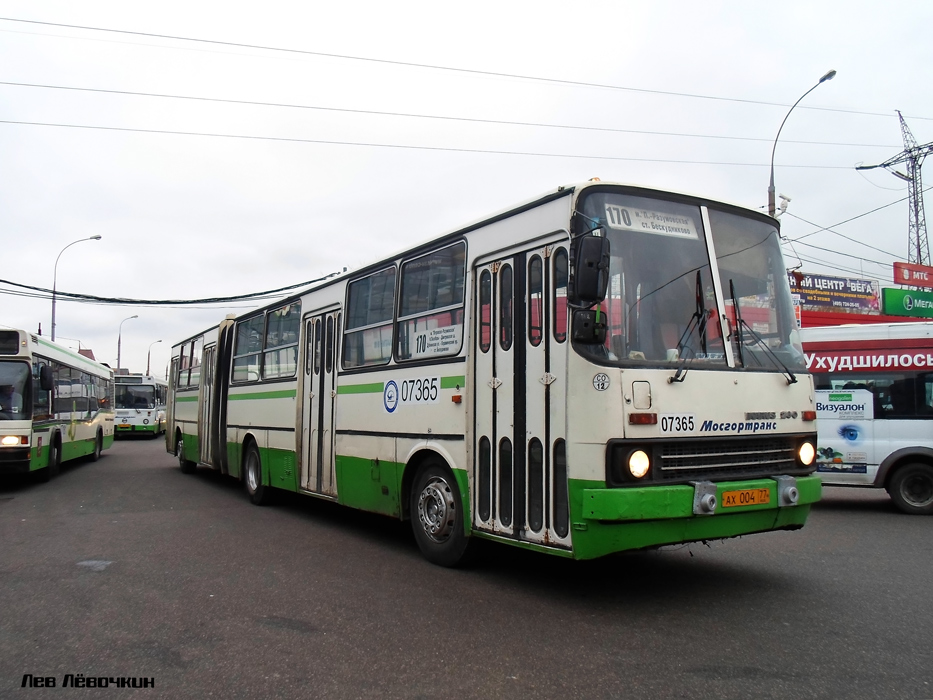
149 355
120 338
829 76
55 275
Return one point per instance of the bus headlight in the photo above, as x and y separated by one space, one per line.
638 463
806 453
627 463
13 440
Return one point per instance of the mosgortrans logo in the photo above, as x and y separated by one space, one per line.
714 426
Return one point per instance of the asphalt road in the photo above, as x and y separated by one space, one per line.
128 568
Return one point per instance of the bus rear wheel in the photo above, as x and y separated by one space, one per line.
911 489
258 493
437 515
186 466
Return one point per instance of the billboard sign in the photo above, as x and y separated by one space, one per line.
824 293
913 275
907 302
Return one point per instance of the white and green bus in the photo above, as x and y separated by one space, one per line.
604 368
55 405
140 404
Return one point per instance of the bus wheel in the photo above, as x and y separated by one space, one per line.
98 446
437 515
54 465
252 471
911 489
183 464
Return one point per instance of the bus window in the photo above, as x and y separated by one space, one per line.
535 301
280 356
505 307
329 346
317 347
485 311
246 352
505 481
560 295
430 316
195 378
368 335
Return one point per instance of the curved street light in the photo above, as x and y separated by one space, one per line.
829 76
149 355
55 275
120 337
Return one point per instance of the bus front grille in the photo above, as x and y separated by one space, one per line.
736 459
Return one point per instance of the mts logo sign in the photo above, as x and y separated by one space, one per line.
913 275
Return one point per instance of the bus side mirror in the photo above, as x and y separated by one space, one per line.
589 327
590 270
46 380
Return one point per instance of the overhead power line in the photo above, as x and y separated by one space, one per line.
409 115
410 64
820 229
160 302
368 144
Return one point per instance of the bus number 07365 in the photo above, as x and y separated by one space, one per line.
420 390
678 423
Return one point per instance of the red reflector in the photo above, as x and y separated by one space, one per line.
643 418
809 415
456 398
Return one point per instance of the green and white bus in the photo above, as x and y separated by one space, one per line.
140 404
55 405
604 368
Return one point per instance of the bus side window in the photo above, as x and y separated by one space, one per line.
505 307
560 295
430 313
40 399
367 337
535 301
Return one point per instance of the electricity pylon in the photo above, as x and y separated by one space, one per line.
918 247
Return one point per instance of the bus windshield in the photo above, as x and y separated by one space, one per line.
135 396
13 380
661 306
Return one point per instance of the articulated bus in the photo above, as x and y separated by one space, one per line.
604 368
874 403
55 405
140 403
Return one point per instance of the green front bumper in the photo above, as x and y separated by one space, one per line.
612 520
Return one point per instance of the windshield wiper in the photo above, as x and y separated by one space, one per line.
739 322
698 320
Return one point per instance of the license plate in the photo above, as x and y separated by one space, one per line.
746 497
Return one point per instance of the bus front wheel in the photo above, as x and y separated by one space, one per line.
911 489
252 471
54 465
437 515
98 447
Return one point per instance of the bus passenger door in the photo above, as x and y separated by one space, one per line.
519 351
319 396
204 406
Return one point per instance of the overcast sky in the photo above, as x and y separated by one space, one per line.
686 96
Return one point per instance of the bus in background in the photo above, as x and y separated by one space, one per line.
140 404
605 368
55 405
874 407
